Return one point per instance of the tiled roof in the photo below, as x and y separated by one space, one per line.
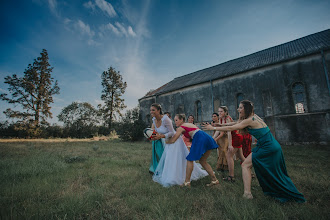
310 44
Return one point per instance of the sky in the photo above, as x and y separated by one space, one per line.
150 42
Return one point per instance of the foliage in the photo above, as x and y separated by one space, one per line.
113 182
113 89
80 120
131 126
33 93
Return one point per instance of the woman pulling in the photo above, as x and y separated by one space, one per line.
171 169
201 147
266 158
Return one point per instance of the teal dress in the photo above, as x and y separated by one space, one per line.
269 165
157 152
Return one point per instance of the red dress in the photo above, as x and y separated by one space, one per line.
246 145
237 139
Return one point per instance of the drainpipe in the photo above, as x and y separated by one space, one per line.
212 96
325 70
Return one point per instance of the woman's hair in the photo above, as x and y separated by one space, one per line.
158 107
225 109
214 113
248 108
191 116
181 116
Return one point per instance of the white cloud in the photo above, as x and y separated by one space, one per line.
84 28
89 5
112 28
67 21
106 7
131 32
121 28
53 6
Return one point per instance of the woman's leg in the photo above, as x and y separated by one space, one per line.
246 173
230 161
240 154
207 166
189 169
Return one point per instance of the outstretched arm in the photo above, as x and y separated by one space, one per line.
238 126
176 135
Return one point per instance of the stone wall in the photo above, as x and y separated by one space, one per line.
270 89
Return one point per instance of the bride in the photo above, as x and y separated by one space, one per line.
171 169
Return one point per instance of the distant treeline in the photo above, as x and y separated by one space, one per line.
129 128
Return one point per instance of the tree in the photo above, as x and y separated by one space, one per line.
33 92
132 126
80 119
113 89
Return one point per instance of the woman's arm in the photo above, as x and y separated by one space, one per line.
219 136
238 126
168 124
179 131
230 142
216 134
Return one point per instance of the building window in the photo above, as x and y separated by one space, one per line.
298 92
239 98
198 111
180 109
216 105
267 103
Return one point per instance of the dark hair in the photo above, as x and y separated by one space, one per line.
248 108
169 114
191 116
214 113
181 116
158 107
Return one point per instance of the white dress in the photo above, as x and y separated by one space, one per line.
171 169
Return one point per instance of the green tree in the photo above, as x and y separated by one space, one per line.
113 89
33 93
132 126
80 119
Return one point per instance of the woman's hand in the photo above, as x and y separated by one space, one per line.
207 126
157 136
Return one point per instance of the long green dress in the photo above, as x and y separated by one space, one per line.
269 165
157 152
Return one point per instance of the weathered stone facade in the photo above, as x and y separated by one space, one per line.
292 95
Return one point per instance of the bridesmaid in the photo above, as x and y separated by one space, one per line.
266 158
201 147
222 140
157 145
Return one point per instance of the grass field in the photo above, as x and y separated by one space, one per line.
110 180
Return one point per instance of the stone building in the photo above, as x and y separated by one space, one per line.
288 84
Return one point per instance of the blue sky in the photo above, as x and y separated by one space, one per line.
149 41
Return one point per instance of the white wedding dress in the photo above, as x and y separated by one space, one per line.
171 169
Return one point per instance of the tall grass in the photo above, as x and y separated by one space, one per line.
110 180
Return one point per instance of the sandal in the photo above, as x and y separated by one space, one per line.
247 196
229 179
215 182
186 184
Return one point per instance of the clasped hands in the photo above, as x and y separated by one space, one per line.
155 137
